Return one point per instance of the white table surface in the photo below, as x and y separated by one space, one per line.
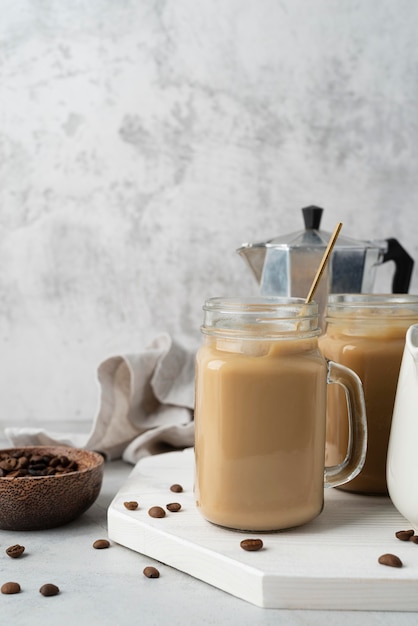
107 587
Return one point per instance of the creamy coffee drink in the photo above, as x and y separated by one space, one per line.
260 433
366 334
260 416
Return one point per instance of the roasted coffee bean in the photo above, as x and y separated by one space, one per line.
36 472
35 458
19 464
15 551
49 589
64 468
404 535
10 587
8 464
156 511
38 466
390 559
173 507
17 473
132 505
101 544
251 545
176 488
414 538
22 462
151 572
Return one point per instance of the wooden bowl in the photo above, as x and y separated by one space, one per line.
37 502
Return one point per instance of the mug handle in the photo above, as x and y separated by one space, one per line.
352 465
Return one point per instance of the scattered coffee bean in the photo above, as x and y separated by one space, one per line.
404 535
15 551
49 590
10 587
173 507
176 488
156 511
25 464
131 506
251 545
414 538
151 572
101 544
391 560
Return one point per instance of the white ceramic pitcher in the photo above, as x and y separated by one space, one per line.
402 460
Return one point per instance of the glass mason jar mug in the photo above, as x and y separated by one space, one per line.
260 415
366 332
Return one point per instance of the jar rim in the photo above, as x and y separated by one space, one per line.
373 300
368 308
260 316
251 304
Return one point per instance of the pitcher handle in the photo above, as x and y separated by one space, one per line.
352 465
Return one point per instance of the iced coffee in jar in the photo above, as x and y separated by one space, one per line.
260 415
366 332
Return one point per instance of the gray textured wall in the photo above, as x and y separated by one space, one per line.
141 141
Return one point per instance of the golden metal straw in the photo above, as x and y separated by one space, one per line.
323 262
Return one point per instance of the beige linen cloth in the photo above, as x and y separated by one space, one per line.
146 406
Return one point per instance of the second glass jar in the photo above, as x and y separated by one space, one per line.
366 332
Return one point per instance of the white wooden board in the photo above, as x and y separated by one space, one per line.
331 563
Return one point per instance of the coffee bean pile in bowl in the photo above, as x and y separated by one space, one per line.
47 486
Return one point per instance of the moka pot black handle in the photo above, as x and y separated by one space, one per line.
404 264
